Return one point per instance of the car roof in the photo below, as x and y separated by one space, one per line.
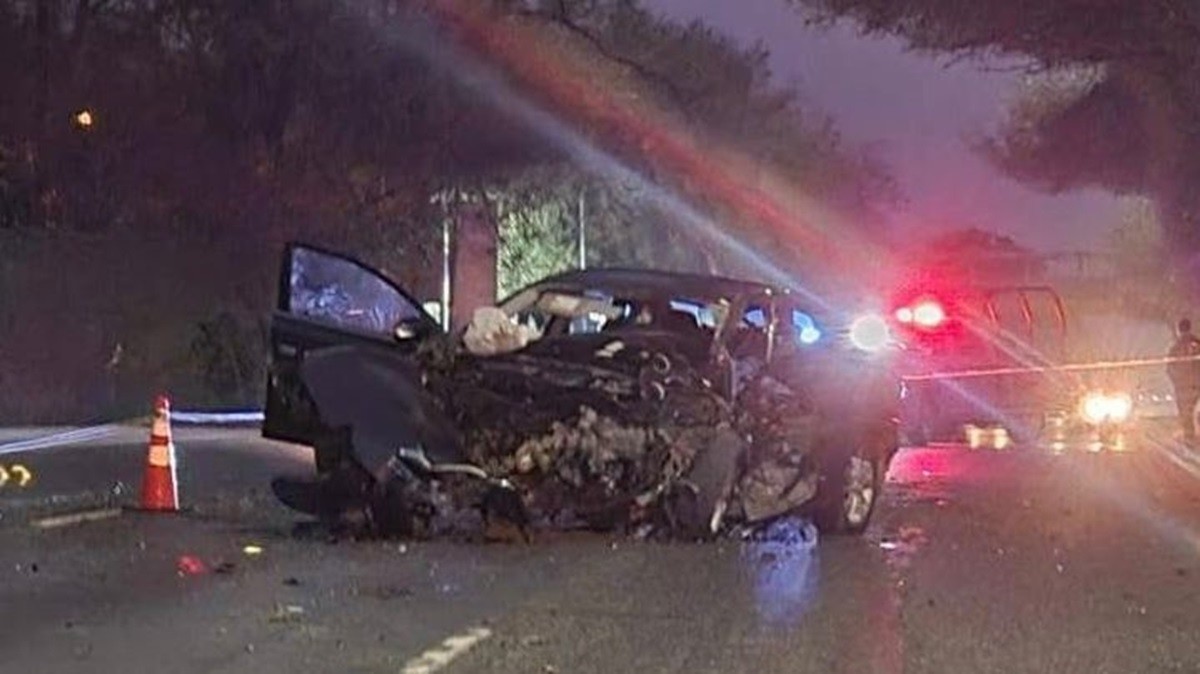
651 282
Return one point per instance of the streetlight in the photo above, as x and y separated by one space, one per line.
84 119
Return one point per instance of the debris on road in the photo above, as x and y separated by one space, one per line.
533 640
252 550
387 592
287 613
904 545
790 532
189 565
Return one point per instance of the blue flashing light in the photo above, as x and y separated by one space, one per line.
806 328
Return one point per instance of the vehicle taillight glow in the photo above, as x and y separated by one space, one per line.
926 314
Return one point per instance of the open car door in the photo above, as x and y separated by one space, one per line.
325 300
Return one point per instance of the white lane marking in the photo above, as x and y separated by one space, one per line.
60 439
437 658
76 518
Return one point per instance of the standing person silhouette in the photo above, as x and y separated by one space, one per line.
1185 377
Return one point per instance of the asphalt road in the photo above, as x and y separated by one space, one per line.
976 562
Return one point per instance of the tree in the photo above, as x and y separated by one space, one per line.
1121 110
1138 248
974 256
219 129
720 141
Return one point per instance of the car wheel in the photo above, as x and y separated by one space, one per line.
849 494
710 478
332 449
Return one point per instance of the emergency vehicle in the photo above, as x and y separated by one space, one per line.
995 364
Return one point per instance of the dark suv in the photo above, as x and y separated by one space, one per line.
636 399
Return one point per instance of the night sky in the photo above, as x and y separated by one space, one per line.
914 112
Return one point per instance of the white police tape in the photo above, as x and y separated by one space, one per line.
94 433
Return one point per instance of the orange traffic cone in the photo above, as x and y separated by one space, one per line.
159 490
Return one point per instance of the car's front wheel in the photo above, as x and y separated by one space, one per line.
848 495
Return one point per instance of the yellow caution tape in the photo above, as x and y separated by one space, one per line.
1050 369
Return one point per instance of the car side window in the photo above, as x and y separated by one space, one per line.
755 316
802 329
340 292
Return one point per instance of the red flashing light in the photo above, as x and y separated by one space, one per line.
928 314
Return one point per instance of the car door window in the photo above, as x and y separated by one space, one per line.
802 329
343 293
751 338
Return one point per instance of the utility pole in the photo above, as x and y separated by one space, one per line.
582 231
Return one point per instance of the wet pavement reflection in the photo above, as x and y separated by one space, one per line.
785 568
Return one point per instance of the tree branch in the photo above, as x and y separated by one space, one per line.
681 101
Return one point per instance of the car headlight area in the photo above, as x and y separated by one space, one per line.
1099 407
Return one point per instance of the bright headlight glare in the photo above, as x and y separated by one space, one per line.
869 333
1100 407
1120 406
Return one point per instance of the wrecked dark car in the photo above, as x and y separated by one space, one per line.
638 401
